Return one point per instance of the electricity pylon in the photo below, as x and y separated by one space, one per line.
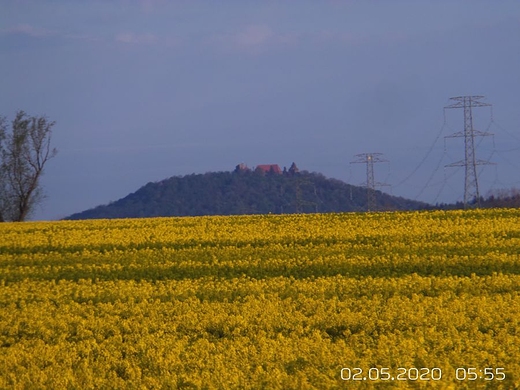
370 159
470 162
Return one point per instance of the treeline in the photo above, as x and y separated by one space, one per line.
509 198
245 192
498 198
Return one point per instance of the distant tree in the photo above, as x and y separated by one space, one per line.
503 197
293 169
24 151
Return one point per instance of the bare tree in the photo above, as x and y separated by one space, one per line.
4 203
24 151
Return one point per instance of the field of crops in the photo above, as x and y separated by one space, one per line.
321 301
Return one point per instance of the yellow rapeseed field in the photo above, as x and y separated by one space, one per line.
323 301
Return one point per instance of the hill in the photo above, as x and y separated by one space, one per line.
245 192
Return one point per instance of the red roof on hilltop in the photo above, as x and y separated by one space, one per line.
268 167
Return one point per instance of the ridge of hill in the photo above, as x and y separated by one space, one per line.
245 192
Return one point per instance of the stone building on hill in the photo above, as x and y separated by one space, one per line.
269 168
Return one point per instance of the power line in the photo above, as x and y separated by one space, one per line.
432 175
501 128
426 156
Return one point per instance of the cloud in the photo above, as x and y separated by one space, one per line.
254 38
37 32
149 5
131 38
29 30
254 35
328 36
258 37
83 37
288 38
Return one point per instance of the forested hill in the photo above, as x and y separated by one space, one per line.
245 192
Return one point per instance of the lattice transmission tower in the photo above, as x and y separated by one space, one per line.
470 162
370 159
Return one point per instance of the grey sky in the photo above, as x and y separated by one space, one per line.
144 90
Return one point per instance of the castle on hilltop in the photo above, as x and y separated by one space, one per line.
268 168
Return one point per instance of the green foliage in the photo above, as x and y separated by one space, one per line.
244 192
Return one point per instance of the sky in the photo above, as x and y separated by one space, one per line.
142 90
